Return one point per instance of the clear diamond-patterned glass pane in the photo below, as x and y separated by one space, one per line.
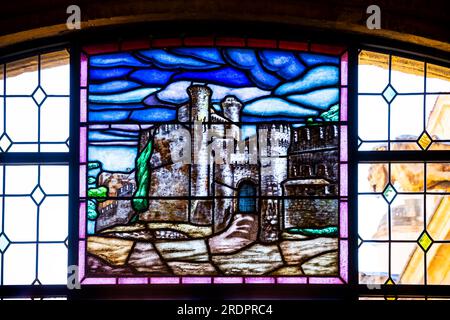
55 73
19 264
22 76
408 96
34 224
34 107
404 208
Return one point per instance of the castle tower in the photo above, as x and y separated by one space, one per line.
231 107
200 102
200 97
273 172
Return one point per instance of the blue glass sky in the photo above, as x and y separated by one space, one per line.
149 85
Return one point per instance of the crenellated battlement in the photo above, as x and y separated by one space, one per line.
314 137
200 101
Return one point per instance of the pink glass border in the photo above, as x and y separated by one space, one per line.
83 181
325 280
344 69
259 280
343 144
196 280
83 140
343 214
343 259
83 105
343 180
132 280
292 280
99 281
81 258
228 280
164 280
83 70
82 220
343 105
343 219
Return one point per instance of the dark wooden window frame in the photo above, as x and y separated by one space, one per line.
350 291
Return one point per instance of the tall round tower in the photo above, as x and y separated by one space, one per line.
200 97
200 102
273 172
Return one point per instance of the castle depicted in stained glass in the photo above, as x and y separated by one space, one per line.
207 183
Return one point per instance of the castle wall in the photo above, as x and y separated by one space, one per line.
310 213
118 212
168 179
115 212
313 171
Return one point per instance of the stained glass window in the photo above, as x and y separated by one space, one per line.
224 162
34 189
403 200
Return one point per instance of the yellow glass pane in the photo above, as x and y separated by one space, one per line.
424 140
438 260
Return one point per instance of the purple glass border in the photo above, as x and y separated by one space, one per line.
343 106
164 280
292 280
83 141
325 280
196 280
344 69
83 70
343 219
343 144
83 181
228 280
83 105
343 259
99 281
133 280
344 180
221 280
82 220
259 280
81 259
